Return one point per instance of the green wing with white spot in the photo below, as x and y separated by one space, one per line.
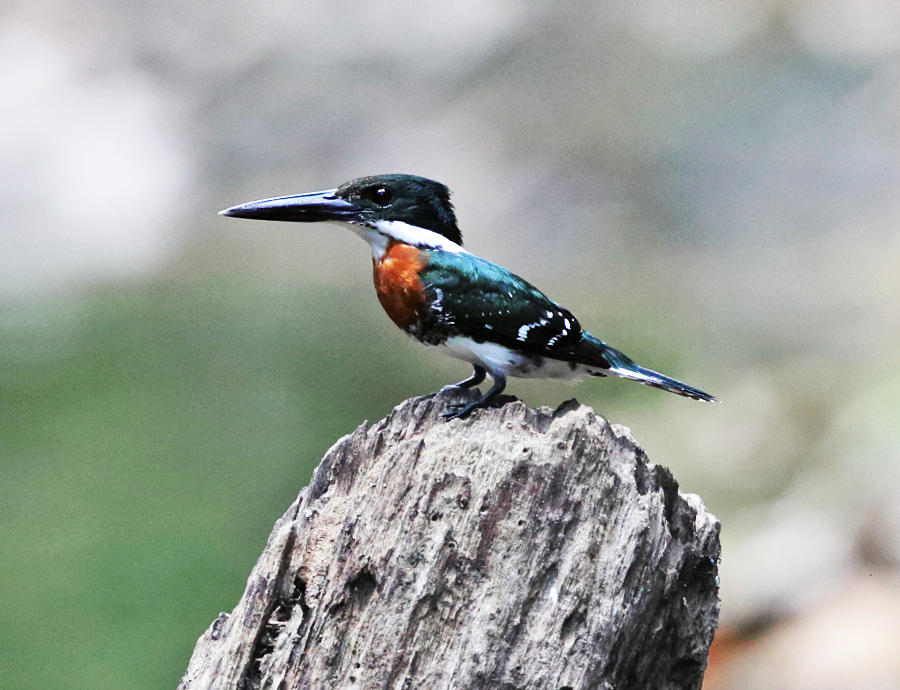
471 297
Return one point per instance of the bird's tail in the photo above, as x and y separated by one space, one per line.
622 365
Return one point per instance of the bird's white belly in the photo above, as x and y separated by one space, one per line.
501 360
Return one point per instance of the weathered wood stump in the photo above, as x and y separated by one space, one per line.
517 548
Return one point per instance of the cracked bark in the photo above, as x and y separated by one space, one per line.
517 548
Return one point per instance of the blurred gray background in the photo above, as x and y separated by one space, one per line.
711 186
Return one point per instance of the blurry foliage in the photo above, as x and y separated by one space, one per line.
150 436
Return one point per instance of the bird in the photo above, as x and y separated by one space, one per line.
446 297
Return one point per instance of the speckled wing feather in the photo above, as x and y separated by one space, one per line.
474 298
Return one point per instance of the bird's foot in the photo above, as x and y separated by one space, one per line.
461 410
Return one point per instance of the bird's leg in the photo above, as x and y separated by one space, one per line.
477 377
459 411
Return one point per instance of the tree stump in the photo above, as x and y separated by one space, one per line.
516 549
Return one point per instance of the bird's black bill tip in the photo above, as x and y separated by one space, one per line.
303 208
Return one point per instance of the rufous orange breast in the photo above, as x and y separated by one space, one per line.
397 283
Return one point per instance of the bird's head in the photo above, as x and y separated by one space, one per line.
371 201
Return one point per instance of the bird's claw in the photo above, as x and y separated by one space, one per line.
459 410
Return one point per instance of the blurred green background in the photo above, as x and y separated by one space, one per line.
710 186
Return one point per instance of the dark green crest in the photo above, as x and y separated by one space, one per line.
407 198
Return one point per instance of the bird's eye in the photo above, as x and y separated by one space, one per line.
380 195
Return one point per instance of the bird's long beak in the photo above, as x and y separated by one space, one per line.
306 208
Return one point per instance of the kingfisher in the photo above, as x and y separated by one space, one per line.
445 297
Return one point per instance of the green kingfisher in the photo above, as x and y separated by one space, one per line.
446 297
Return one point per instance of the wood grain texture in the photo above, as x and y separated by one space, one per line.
515 549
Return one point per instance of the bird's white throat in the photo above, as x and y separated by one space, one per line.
380 233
